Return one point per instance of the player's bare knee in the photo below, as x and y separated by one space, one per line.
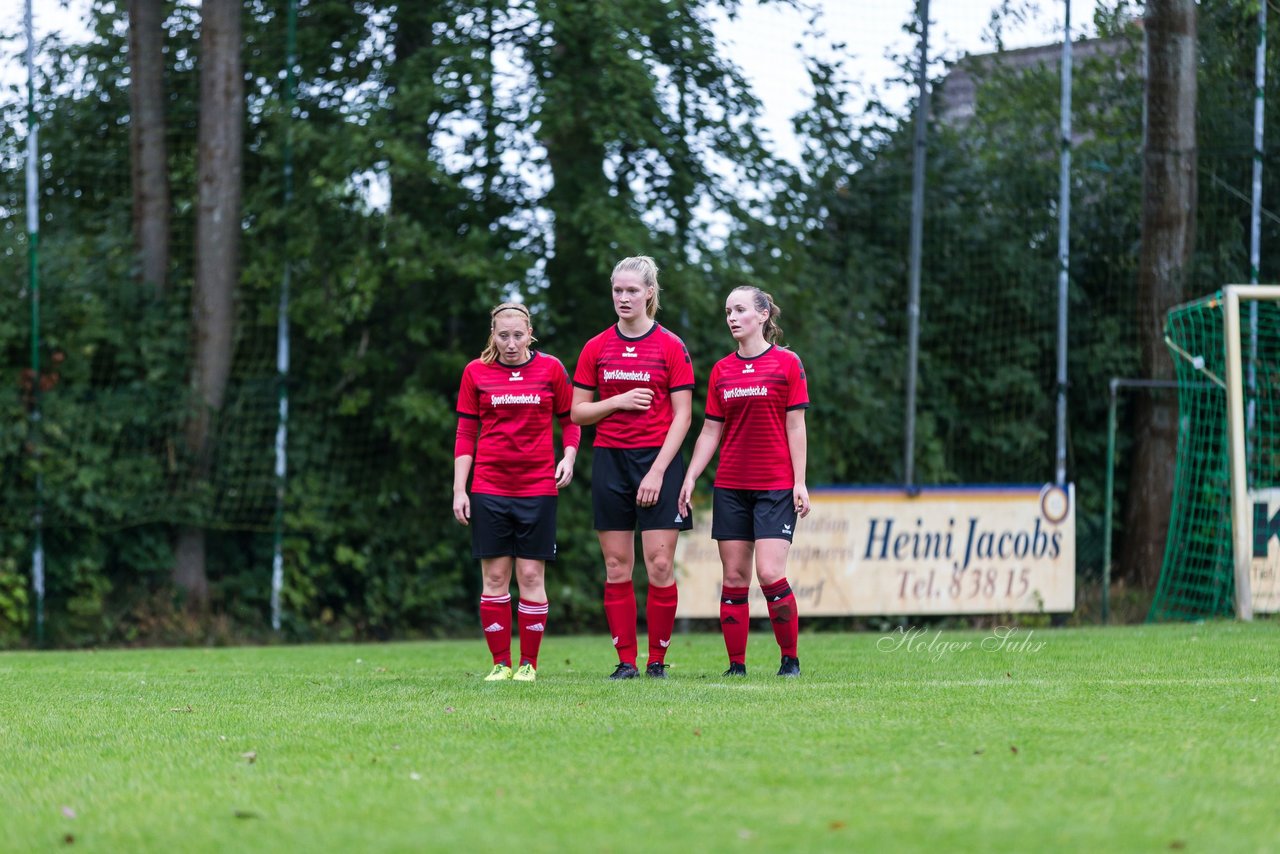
661 571
528 575
616 569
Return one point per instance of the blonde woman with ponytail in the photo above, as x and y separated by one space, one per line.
756 398
634 382
507 402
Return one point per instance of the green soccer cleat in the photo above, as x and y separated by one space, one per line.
525 673
499 673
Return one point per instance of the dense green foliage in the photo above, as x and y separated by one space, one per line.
451 153
950 740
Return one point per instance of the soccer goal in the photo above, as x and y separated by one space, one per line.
1223 551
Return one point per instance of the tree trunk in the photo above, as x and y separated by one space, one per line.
148 156
216 255
1168 237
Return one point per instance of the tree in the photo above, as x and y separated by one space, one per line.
216 256
148 154
1168 239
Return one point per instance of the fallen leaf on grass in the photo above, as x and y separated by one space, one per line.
68 812
182 709
1177 845
697 732
250 756
448 710
68 839
379 670
978 752
837 825
1014 749
246 814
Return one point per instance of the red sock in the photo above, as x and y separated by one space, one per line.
533 622
783 615
495 619
735 616
620 612
660 611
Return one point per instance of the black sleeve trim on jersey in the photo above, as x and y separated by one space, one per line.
713 418
564 414
798 406
688 387
580 385
468 415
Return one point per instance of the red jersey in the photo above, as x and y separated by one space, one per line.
612 364
752 397
514 406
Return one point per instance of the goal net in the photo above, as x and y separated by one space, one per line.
1223 552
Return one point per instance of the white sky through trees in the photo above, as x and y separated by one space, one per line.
767 42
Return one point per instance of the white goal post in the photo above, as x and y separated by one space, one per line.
1241 527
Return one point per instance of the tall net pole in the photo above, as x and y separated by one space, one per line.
1064 248
282 325
917 244
1255 214
33 257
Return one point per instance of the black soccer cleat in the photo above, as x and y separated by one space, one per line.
790 666
656 670
624 671
735 669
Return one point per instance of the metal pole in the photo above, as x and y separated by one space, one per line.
1255 215
33 257
917 242
282 326
1064 248
1107 513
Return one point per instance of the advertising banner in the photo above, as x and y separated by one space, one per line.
945 550
1265 560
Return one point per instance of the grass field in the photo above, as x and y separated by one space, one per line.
1141 739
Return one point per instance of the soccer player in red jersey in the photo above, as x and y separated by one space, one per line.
756 400
506 404
643 379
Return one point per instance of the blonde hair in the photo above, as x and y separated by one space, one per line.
490 353
761 301
648 270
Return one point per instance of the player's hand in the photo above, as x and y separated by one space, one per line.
462 508
636 400
564 472
686 495
801 497
650 486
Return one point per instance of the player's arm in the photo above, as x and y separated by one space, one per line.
464 453
570 437
681 418
586 410
798 444
703 450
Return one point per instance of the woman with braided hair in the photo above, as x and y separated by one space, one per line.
756 398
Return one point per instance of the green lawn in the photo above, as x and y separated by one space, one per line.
1144 739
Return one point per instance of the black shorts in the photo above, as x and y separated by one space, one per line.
519 527
752 514
615 477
